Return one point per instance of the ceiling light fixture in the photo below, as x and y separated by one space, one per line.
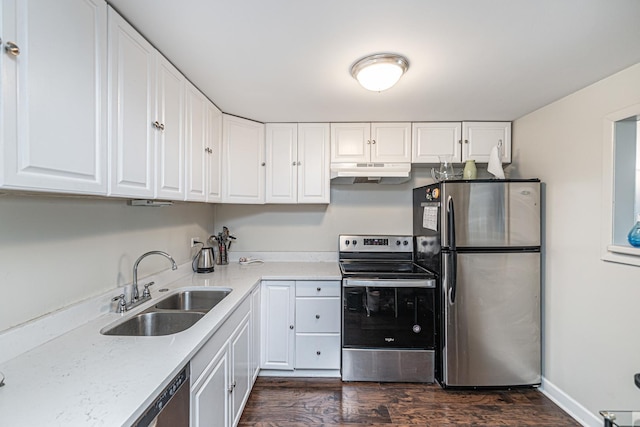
380 71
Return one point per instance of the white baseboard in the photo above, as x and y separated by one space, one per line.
569 405
301 373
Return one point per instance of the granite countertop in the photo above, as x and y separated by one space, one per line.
83 378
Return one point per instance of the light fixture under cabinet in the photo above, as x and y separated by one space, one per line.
380 71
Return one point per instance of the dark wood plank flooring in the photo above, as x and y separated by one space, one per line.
298 402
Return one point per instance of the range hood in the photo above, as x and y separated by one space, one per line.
376 173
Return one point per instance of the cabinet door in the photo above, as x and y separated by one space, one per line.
278 330
350 142
214 153
391 142
132 103
480 137
314 163
243 165
281 163
54 96
210 393
196 142
255 332
432 140
240 347
170 114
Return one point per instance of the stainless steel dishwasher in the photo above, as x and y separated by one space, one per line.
171 407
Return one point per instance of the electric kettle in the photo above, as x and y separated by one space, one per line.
204 260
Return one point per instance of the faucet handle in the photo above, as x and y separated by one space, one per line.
122 304
146 293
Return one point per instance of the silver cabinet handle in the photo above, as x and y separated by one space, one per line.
12 48
161 126
368 141
373 141
156 124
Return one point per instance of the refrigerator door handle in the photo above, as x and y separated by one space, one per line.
451 230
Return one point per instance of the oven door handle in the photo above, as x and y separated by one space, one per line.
391 283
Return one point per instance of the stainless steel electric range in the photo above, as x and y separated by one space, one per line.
388 319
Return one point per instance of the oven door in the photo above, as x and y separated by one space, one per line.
388 314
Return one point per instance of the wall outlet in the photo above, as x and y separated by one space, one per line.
194 240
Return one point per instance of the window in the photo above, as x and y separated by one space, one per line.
621 184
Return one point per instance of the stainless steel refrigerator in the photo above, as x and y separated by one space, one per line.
482 237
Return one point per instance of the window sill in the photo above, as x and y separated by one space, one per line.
622 254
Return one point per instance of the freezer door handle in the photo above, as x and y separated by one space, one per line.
451 230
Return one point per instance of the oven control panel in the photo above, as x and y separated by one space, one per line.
375 243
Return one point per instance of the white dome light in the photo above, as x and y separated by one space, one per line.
380 71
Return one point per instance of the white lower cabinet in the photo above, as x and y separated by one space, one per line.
301 325
221 378
278 330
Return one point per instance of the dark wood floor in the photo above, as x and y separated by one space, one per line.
287 402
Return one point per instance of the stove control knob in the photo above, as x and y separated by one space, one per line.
406 242
354 242
398 242
346 242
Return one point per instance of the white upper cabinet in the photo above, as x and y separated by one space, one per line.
371 142
281 163
432 140
170 132
314 181
53 67
243 165
197 143
214 153
480 137
461 141
297 163
132 102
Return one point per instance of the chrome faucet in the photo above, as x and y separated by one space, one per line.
134 291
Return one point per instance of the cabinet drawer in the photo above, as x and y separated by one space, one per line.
318 288
317 351
317 314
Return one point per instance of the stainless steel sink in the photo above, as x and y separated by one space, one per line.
170 315
199 300
155 323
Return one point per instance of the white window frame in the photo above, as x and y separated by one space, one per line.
611 252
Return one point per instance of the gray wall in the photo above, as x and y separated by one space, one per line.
591 343
56 251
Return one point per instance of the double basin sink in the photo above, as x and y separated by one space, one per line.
171 314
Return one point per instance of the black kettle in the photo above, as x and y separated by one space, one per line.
204 260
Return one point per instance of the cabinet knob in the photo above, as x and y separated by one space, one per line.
161 126
460 141
373 141
466 141
290 326
318 352
12 48
368 141
262 164
299 163
294 163
318 289
317 316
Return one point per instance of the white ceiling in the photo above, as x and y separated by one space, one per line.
289 60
